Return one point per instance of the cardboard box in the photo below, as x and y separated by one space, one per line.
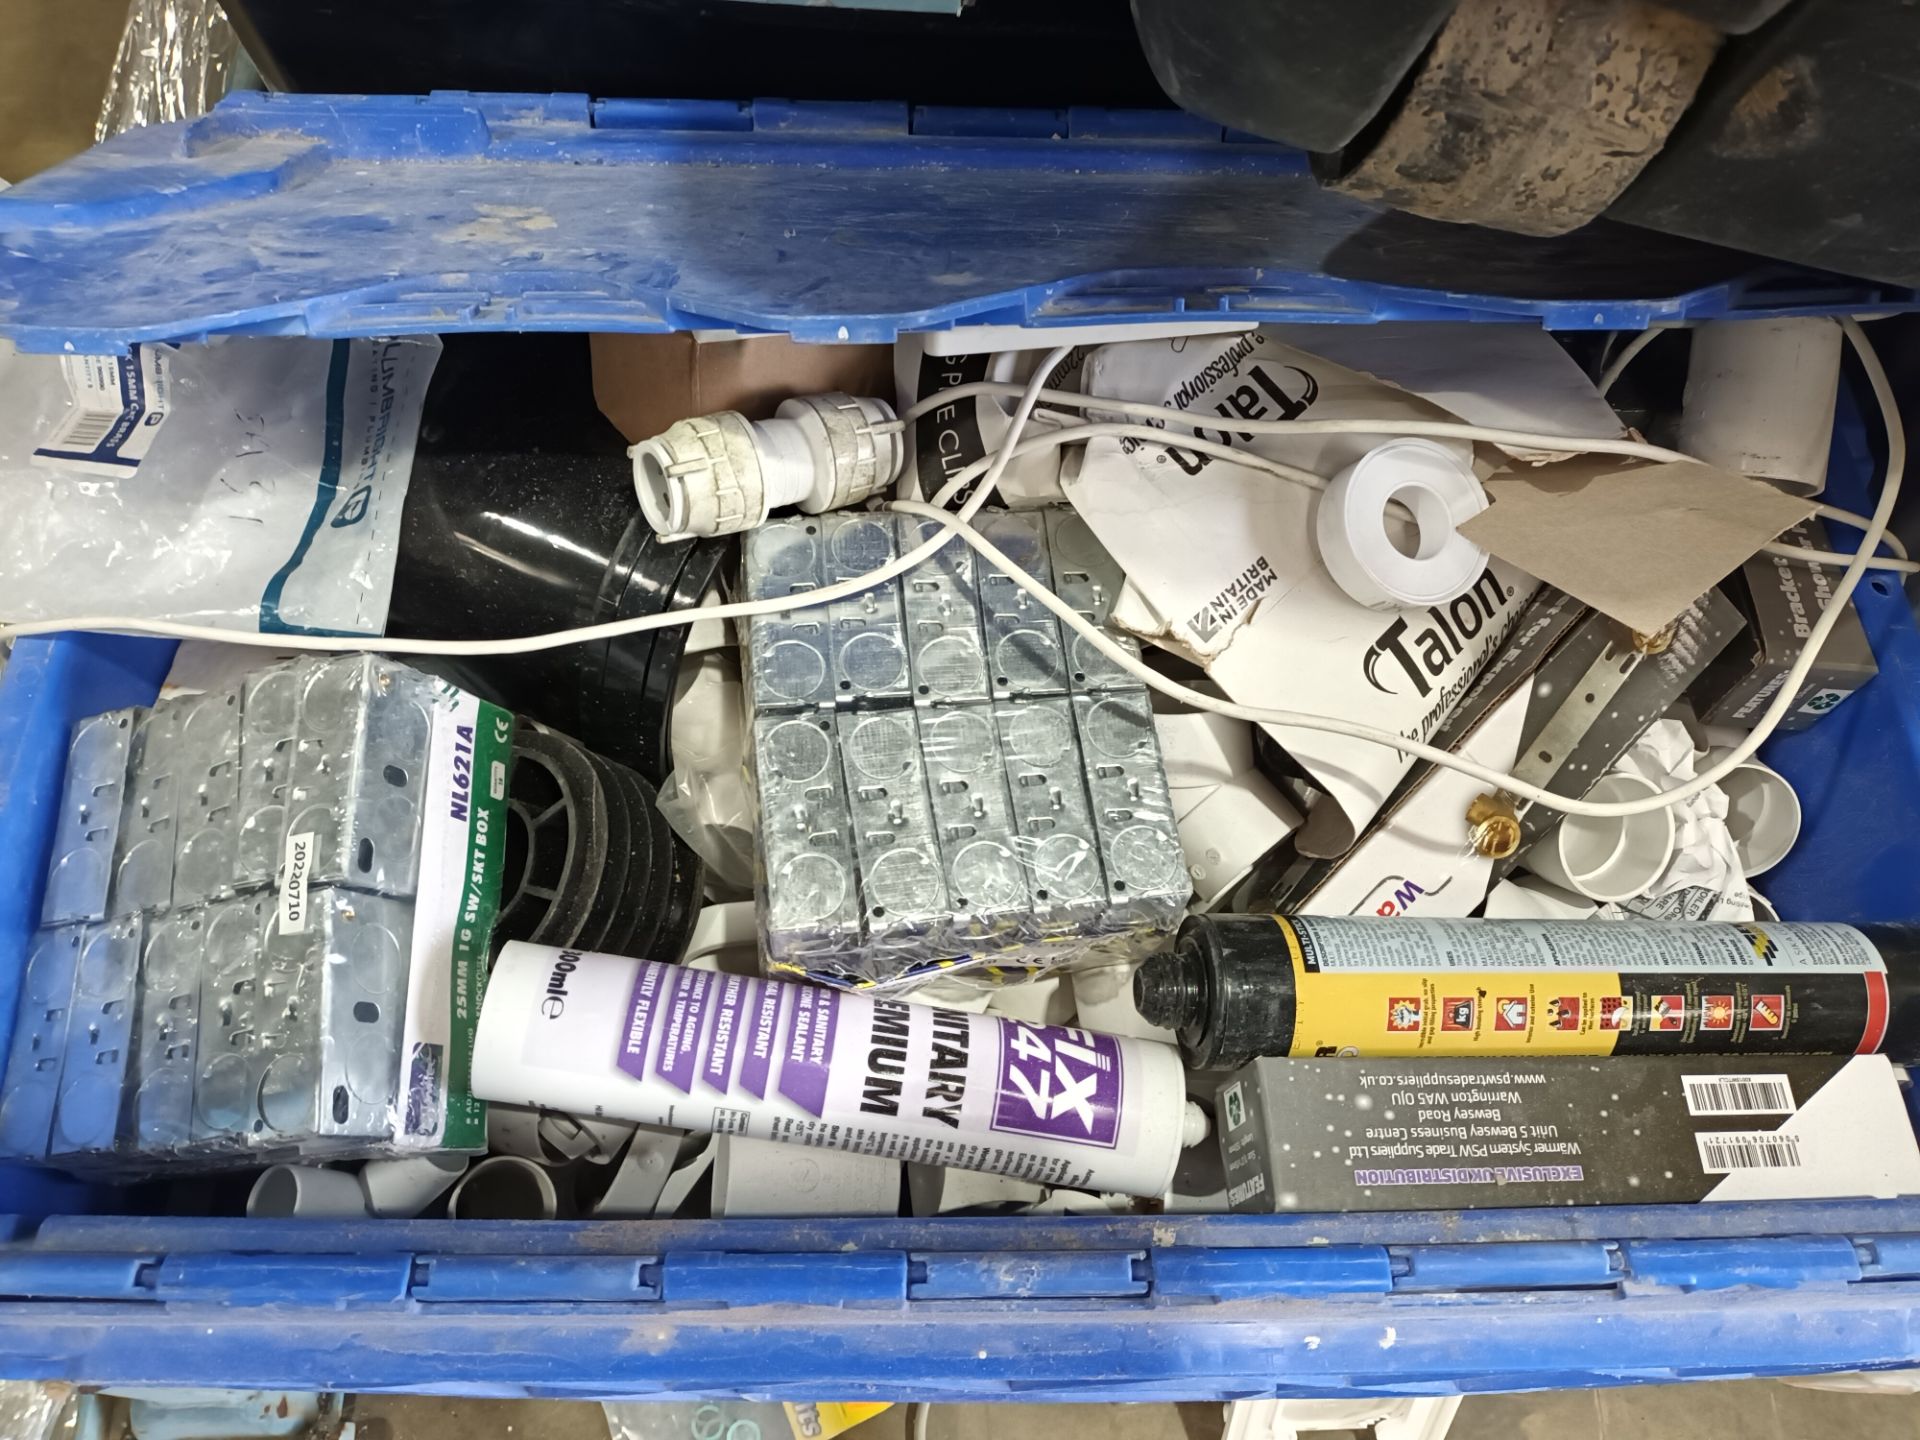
1226 555
1782 599
644 383
1414 858
1464 1134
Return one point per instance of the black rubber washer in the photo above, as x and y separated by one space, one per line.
683 903
609 887
659 885
640 581
669 649
556 839
641 902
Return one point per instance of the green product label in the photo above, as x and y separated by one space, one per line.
479 903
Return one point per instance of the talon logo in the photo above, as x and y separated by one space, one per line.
1764 948
1424 658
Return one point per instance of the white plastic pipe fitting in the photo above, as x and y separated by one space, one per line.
504 1187
721 474
305 1192
1763 814
401 1188
1607 859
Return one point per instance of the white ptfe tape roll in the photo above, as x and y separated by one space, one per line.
1351 521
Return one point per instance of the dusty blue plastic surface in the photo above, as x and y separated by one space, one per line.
347 216
310 215
47 685
1858 771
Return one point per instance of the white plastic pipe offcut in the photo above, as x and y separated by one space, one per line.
1763 815
723 473
400 1189
305 1192
1607 859
504 1187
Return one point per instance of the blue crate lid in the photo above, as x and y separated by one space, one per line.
345 216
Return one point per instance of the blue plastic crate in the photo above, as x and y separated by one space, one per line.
309 215
953 1309
344 216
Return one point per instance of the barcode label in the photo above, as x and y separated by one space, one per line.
1738 1094
84 430
1723 1151
119 404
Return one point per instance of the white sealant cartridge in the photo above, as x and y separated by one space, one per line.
607 1036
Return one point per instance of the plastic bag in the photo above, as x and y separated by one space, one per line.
175 61
706 799
248 484
704 1420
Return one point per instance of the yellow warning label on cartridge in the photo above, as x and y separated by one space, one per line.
1459 1012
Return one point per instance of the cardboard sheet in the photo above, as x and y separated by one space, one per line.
644 383
1637 542
1513 377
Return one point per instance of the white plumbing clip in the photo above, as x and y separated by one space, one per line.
721 474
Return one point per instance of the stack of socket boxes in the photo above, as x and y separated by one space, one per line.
941 773
173 1009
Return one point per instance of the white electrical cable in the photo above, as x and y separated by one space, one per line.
1629 352
1730 761
1839 558
1874 532
1431 429
1859 522
1442 429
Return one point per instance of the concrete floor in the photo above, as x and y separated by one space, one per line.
1739 1410
54 60
55 56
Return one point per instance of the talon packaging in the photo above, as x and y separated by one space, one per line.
1437 1133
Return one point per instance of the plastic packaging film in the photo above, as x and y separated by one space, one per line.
182 483
940 782
176 59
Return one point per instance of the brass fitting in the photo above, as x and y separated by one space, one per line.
1493 826
1657 642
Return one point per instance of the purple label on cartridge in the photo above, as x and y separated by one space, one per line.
808 1049
680 1047
728 1023
761 1037
1063 1084
645 1004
